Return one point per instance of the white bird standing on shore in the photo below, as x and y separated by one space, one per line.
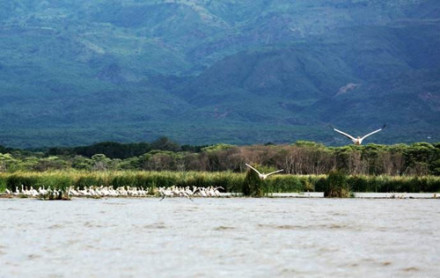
262 175
358 140
165 192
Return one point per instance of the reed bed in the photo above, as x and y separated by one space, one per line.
231 182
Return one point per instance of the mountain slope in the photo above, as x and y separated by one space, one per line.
77 72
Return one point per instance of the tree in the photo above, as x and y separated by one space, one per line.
418 157
51 163
7 162
165 144
82 163
100 162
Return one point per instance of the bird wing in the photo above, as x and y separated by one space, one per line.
371 133
345 134
253 168
274 172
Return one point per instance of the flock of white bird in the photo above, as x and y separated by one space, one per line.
187 192
107 191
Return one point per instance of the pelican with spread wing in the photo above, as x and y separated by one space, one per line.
358 140
262 175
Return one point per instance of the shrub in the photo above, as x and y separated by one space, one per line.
337 185
253 185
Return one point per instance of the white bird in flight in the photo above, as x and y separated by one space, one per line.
262 175
358 140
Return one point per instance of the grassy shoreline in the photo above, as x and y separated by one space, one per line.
231 182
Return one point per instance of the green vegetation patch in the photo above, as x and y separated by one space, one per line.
336 184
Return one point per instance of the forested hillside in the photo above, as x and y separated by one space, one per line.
203 72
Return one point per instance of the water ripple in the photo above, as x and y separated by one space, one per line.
236 237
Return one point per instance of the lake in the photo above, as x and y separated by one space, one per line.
220 237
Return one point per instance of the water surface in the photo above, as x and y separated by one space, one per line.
232 237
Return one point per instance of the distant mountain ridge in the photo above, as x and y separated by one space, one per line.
202 72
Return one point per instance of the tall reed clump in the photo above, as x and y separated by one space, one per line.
337 185
253 185
2 184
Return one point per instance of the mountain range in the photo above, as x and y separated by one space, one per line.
211 71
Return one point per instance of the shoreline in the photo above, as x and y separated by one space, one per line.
300 195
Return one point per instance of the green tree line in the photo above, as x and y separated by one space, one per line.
300 158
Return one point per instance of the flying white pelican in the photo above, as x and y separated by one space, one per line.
358 140
262 175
